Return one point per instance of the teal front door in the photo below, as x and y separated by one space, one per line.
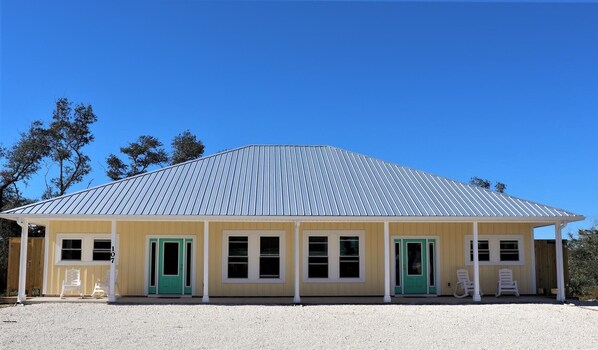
170 272
170 265
415 273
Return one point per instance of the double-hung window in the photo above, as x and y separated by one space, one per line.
334 256
71 249
253 256
101 249
483 250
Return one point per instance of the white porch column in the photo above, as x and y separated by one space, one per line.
296 296
113 251
386 263
21 297
560 271
476 265
206 261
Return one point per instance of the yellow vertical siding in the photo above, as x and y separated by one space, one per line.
133 237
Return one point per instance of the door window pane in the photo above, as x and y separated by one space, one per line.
188 265
71 249
171 259
318 257
414 258
349 257
237 257
432 265
269 257
397 263
153 265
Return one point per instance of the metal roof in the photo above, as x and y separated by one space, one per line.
290 181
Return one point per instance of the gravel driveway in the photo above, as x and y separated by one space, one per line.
92 326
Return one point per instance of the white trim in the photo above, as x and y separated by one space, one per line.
533 260
86 249
386 263
297 296
46 259
206 262
334 255
22 297
476 265
560 273
543 221
253 255
114 248
494 247
147 258
437 277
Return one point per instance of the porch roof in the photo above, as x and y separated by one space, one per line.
291 181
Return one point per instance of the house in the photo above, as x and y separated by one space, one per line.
288 221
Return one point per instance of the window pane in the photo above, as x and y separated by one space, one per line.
318 267
101 256
269 246
349 246
509 250
318 246
397 264
269 267
105 244
153 265
71 244
171 258
349 267
414 258
71 254
188 265
483 250
237 267
432 267
237 246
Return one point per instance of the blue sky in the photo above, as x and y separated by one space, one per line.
504 91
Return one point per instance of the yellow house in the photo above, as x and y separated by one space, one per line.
288 221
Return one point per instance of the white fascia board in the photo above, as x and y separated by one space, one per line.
549 220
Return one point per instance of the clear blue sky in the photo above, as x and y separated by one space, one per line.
503 91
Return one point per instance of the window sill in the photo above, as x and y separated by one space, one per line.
82 263
249 281
335 280
497 263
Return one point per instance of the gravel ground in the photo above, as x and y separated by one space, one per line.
91 326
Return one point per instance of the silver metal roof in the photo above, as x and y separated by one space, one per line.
294 181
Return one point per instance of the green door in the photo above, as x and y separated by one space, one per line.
415 274
170 266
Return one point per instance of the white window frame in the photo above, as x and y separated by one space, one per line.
494 246
334 255
253 255
86 249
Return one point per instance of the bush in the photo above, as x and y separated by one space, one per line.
583 263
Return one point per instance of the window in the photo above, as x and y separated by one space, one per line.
431 252
83 249
238 259
496 250
349 257
483 250
101 249
188 264
318 257
269 257
71 249
509 250
334 256
253 256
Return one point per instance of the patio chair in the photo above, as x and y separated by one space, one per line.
102 287
506 283
464 284
72 281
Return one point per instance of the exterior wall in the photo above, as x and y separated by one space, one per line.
132 239
133 235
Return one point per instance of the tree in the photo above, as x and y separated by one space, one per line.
69 134
22 160
186 147
583 262
142 154
483 183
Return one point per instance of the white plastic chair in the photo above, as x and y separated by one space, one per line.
506 283
102 287
72 281
464 284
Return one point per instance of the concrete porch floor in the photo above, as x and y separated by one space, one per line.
441 300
